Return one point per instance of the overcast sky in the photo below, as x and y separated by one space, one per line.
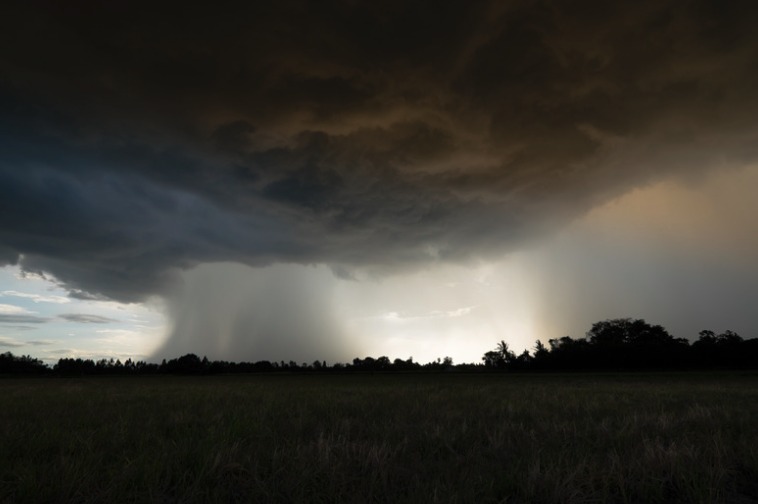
324 180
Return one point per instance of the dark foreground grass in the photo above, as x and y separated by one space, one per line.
398 438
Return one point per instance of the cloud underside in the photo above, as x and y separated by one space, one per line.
383 136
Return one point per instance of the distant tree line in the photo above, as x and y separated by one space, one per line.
626 344
617 344
192 364
24 364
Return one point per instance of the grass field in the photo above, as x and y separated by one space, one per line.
381 438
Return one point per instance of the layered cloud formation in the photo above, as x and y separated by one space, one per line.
140 142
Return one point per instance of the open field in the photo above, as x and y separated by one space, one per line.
381 438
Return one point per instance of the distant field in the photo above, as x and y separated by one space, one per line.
381 438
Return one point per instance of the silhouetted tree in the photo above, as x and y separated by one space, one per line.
522 362
186 364
24 364
493 359
500 358
568 353
541 357
727 349
505 353
404 365
382 363
627 343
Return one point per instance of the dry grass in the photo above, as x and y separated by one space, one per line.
397 438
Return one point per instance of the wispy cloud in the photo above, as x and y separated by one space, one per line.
10 342
22 319
62 351
14 343
80 353
84 318
6 309
459 312
118 336
395 316
37 298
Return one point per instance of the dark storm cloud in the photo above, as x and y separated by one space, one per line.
141 141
